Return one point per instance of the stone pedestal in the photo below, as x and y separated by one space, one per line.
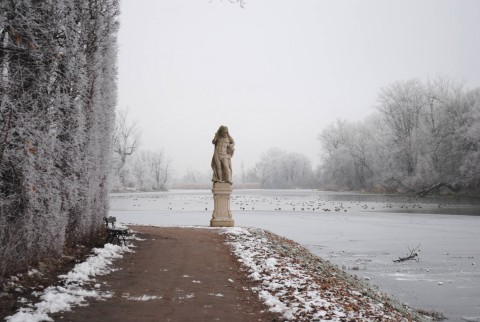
222 216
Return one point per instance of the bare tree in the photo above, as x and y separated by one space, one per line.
160 169
192 175
126 139
151 170
243 172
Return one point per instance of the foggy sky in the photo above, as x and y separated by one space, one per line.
277 72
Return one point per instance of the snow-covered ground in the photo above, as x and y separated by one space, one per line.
363 234
76 287
302 287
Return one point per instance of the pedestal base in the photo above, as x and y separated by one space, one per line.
221 222
222 216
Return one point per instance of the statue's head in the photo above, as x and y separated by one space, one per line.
222 131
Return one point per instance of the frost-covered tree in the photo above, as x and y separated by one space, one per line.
151 170
470 142
281 170
140 170
347 160
400 105
57 100
423 136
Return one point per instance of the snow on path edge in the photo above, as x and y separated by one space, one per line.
75 286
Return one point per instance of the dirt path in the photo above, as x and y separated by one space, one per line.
189 275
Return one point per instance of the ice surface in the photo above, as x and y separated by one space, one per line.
364 234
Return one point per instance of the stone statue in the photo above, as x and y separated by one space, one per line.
222 178
222 156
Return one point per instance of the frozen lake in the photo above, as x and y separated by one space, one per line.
361 233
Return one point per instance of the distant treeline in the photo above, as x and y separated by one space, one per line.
423 137
57 101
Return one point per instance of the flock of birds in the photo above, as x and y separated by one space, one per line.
196 202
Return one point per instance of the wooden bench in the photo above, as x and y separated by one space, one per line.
115 232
